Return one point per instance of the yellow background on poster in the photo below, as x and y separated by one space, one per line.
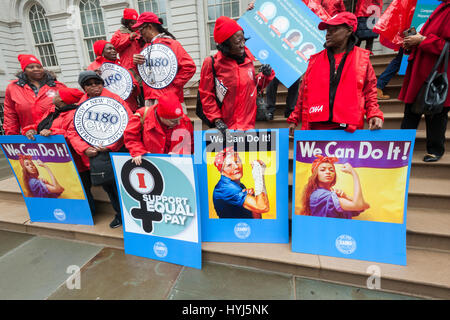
383 189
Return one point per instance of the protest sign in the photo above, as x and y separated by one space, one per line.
117 79
160 210
284 34
350 193
244 194
48 179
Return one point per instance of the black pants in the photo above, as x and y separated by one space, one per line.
291 99
111 191
436 127
85 177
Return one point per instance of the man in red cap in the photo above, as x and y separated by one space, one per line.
338 89
153 33
29 97
230 197
236 81
128 42
162 128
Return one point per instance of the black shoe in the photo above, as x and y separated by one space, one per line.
115 223
269 116
431 158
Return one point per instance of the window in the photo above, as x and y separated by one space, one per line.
158 7
217 8
92 23
42 36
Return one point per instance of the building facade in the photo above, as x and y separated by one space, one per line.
61 33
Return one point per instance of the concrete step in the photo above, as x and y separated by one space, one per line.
424 276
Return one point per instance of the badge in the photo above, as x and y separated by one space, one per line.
101 121
117 79
160 67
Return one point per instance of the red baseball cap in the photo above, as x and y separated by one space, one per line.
346 17
70 95
26 59
169 106
224 28
130 14
146 17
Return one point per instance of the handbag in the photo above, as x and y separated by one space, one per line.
261 106
102 171
433 93
199 107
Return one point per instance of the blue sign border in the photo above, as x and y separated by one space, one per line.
178 251
375 241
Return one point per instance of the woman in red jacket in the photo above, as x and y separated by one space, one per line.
236 79
92 84
106 52
339 87
161 128
28 98
57 120
426 47
152 31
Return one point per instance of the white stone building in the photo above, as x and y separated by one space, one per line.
61 32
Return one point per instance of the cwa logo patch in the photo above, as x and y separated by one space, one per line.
59 214
345 244
242 230
160 67
117 79
101 121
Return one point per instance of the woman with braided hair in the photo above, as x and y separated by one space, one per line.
320 199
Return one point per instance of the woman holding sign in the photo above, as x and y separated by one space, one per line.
235 85
320 199
28 98
119 80
163 65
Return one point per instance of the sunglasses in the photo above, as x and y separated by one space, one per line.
91 83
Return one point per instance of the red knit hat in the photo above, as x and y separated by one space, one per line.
26 59
146 17
220 157
99 46
70 95
169 106
130 14
224 28
321 159
345 17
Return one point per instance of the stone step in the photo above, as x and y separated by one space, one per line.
425 274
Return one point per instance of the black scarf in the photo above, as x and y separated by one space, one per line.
48 121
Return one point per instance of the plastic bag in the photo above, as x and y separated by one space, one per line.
317 8
396 19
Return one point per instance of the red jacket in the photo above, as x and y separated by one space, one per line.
132 99
366 92
423 58
186 69
79 144
151 138
363 8
126 47
22 107
333 7
239 104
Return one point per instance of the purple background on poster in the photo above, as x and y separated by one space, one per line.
371 154
46 152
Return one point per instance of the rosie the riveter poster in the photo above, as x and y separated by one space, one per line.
244 193
350 194
48 179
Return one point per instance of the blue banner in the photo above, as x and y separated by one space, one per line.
48 179
351 200
160 211
243 185
284 34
